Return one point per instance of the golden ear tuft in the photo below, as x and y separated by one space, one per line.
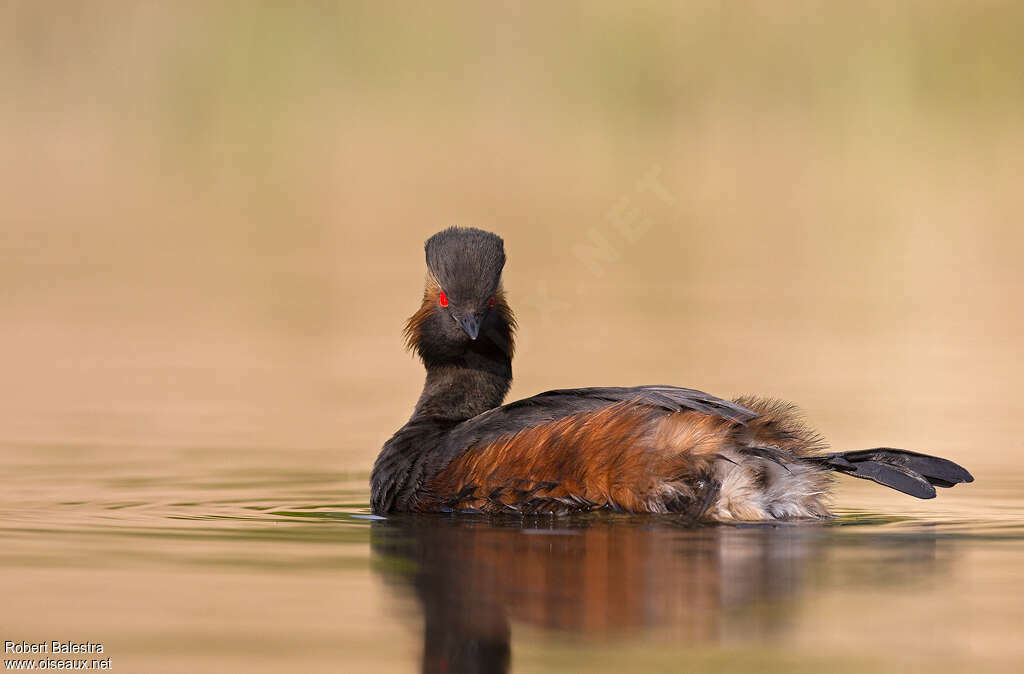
414 326
501 306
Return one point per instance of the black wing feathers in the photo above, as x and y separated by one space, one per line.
905 471
407 467
553 405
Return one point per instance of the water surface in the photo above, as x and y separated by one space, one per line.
244 560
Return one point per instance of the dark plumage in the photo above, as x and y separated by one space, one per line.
639 449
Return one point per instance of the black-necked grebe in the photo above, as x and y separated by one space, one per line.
655 449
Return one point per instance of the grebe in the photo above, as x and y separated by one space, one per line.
642 449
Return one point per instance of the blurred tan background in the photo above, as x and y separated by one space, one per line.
213 214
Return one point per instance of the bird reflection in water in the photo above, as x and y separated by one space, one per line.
599 577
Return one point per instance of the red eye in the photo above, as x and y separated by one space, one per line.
491 303
444 299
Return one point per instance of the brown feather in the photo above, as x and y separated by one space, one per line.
625 456
502 307
631 456
431 299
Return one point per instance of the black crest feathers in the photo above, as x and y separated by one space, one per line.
466 261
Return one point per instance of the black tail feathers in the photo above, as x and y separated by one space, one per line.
908 472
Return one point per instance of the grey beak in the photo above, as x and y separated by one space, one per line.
470 323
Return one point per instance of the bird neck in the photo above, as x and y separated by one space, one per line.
457 389
461 383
